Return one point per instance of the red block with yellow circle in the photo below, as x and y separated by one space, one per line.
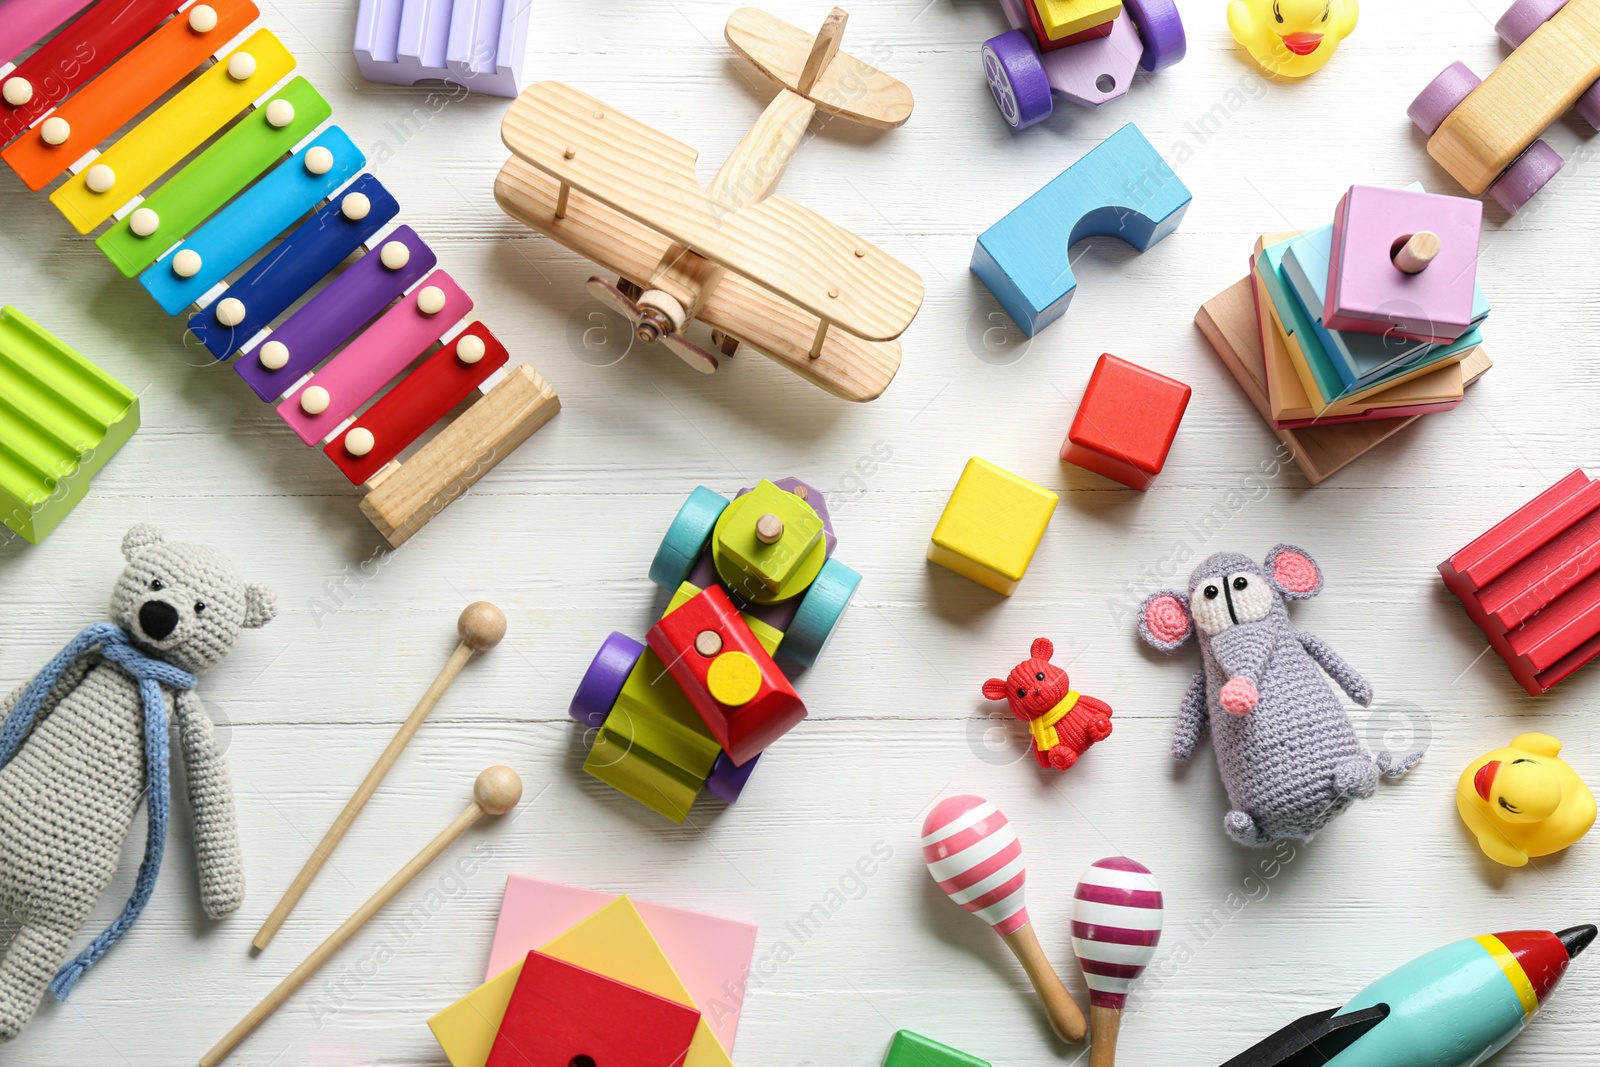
729 678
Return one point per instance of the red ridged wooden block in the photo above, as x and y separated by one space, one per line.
424 397
1532 583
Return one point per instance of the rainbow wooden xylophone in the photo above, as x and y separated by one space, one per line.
254 180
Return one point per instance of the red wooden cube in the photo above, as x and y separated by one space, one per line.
561 1014
1126 422
728 676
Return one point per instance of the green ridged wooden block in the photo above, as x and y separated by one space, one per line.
61 419
913 1050
215 177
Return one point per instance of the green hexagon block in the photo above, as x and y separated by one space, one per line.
61 419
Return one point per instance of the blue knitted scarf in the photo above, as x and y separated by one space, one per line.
116 647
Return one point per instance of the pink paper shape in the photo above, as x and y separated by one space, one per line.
710 954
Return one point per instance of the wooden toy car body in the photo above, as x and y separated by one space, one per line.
661 715
1025 66
1486 134
759 269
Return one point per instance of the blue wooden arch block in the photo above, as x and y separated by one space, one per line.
1122 188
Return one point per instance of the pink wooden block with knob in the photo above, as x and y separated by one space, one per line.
1379 284
975 856
1116 925
372 360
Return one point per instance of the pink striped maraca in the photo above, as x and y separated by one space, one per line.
973 853
1116 923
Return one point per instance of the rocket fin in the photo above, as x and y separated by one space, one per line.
1312 1040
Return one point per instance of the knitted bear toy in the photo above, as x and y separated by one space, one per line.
87 739
1063 723
1286 749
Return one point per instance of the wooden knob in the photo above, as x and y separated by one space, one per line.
1419 250
481 625
769 529
497 790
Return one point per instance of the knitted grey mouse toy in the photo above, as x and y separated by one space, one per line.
1286 749
87 739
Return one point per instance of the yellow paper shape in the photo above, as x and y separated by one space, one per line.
615 942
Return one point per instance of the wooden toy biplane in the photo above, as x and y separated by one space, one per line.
759 269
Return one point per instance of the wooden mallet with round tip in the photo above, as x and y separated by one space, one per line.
495 792
481 626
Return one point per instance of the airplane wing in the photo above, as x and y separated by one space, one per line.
846 86
649 178
847 366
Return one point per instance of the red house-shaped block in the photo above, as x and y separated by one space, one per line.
561 1014
1126 422
727 675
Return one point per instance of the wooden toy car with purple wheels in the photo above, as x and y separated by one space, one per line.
1486 132
1086 50
750 579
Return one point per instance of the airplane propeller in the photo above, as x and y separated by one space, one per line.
653 322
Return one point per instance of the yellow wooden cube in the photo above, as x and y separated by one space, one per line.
1063 18
991 526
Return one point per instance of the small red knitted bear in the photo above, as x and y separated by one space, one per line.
1063 723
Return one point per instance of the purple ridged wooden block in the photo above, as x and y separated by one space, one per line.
334 315
478 44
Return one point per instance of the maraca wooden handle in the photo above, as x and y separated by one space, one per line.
1065 1018
1103 1026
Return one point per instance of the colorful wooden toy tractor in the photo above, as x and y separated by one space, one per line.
750 579
1086 50
1486 134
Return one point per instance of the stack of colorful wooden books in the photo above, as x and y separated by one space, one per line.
1344 334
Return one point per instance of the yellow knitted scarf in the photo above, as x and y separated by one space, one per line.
1043 728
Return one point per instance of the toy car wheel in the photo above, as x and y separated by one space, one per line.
1017 79
686 538
1588 106
726 782
819 613
1434 104
602 682
1161 30
1523 179
1525 16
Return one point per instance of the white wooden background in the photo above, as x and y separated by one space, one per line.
561 535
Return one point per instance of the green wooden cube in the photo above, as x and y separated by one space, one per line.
913 1050
61 419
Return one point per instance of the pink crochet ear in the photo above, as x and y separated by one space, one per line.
1042 648
1294 572
1164 621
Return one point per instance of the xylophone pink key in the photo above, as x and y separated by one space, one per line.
372 360
132 84
26 22
73 56
427 395
973 853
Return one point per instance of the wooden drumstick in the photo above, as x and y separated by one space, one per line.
495 792
481 626
973 853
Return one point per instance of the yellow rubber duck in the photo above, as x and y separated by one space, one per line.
1523 801
1293 38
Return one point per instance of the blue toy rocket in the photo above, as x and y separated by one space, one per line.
1454 1007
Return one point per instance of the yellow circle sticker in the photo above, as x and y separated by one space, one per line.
734 678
